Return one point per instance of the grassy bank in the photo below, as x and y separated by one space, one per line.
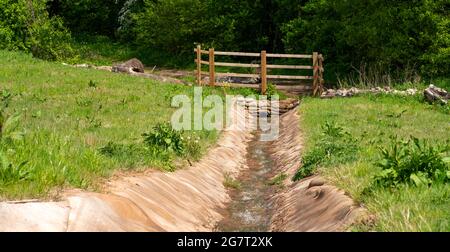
69 127
364 125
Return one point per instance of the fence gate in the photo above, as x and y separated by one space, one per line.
316 67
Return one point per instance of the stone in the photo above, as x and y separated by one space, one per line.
316 182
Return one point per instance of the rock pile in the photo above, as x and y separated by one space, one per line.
343 92
435 94
264 107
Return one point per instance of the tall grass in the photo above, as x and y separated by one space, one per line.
366 76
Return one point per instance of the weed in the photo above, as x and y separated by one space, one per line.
229 182
8 123
92 84
396 115
112 149
84 102
271 91
415 161
278 180
331 129
334 147
93 122
192 147
164 137
10 173
5 98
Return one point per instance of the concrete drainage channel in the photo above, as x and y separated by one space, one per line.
250 205
195 198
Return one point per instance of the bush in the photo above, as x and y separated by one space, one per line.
414 161
50 40
169 30
164 137
335 147
389 36
25 25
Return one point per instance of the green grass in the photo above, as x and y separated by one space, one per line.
278 180
229 182
370 120
82 125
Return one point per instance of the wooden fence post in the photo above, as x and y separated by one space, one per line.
315 59
199 65
263 72
212 77
321 71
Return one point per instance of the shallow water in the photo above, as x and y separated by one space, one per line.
249 209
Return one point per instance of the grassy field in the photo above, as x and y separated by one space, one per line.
370 121
71 127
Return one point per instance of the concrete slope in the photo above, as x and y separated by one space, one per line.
309 204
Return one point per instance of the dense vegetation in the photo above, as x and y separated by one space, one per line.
375 148
397 41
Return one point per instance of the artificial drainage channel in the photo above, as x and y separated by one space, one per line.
249 209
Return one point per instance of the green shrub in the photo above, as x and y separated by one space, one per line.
50 40
164 137
334 147
414 161
26 25
10 173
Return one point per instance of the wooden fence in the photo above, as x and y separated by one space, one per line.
316 68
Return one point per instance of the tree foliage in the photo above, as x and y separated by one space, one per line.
88 16
391 37
25 25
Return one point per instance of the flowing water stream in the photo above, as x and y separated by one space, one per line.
249 209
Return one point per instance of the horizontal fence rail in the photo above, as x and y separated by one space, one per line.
316 67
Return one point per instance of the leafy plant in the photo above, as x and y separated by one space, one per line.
331 129
92 84
8 124
5 98
413 161
334 147
9 128
271 91
10 173
164 137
